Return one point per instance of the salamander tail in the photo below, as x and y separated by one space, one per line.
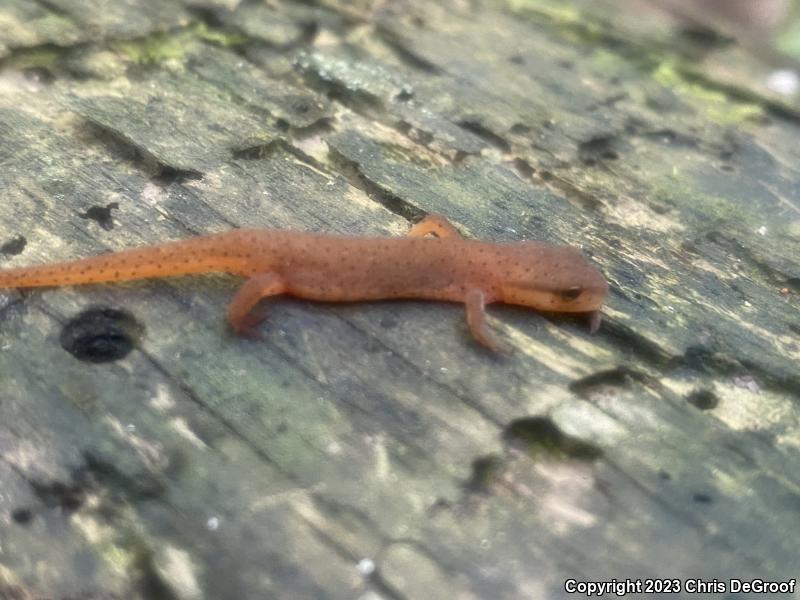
215 253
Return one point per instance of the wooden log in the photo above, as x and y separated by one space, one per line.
373 450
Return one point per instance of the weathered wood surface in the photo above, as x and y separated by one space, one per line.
204 466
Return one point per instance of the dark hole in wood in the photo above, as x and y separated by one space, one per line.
703 399
23 516
101 215
101 335
14 246
67 496
540 435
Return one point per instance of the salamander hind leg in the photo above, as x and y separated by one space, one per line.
240 311
435 224
475 301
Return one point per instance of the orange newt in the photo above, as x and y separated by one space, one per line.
541 276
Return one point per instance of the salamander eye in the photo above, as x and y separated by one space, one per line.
571 293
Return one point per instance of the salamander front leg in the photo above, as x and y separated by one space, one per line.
475 301
435 224
240 310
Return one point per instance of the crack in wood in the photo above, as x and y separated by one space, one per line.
352 172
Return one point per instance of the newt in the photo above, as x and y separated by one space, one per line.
445 266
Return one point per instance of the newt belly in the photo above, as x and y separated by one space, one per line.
537 275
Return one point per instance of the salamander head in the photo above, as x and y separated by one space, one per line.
553 279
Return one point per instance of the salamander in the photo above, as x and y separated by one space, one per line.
443 266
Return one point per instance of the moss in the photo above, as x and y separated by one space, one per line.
42 57
54 22
788 38
714 104
558 11
153 49
717 105
679 191
569 20
117 557
173 45
227 39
